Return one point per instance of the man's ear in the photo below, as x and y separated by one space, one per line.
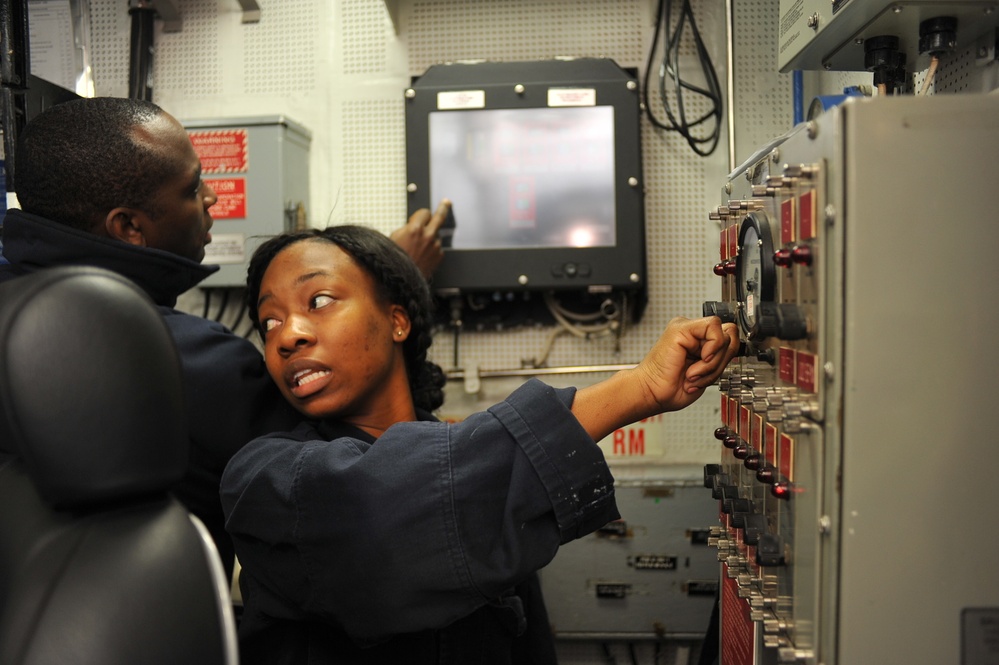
126 224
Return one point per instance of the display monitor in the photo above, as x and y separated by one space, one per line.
526 178
542 163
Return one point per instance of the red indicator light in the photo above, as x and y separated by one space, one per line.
782 257
719 269
729 267
765 474
781 489
802 254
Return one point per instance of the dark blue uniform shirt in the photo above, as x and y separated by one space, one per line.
354 550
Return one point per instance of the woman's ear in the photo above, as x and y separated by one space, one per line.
401 325
126 224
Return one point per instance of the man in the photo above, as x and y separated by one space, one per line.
116 183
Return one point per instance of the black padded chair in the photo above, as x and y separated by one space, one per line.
99 564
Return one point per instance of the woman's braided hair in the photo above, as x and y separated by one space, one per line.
398 281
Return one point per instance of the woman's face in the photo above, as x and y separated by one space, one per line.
333 347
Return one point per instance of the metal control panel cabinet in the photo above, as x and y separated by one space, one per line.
259 168
648 576
858 258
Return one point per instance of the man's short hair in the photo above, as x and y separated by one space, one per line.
77 161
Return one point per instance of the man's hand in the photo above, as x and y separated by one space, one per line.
419 237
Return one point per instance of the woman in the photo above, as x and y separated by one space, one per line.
373 533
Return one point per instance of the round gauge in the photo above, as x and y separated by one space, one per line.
755 273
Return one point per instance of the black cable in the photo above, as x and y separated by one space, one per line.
611 660
670 65
222 306
141 52
240 314
631 652
208 298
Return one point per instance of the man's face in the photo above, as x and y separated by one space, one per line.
179 219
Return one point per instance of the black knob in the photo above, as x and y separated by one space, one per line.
722 310
781 320
736 505
718 483
938 36
710 471
754 529
737 519
753 461
770 551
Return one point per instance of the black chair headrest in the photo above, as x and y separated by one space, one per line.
90 387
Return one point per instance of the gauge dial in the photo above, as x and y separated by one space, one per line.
754 271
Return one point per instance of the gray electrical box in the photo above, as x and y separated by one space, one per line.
833 34
259 168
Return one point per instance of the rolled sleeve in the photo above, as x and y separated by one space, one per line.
570 464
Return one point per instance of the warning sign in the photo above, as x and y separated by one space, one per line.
231 193
221 150
636 441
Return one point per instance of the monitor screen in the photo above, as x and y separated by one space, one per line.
527 177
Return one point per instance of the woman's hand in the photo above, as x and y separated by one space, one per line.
688 357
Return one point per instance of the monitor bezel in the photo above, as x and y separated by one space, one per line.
526 85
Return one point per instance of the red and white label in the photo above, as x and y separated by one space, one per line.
807 215
737 626
231 193
221 151
786 457
806 367
770 444
572 97
636 441
787 221
757 435
461 99
785 364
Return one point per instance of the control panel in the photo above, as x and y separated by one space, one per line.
858 259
